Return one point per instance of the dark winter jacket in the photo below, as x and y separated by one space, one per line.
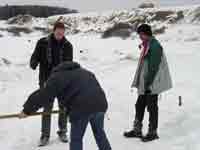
48 54
80 91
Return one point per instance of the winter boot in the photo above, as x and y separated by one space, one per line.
136 132
133 134
44 140
62 136
151 136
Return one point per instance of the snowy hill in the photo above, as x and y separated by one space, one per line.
114 61
161 19
91 5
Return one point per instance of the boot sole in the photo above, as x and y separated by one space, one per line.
64 141
146 141
134 137
42 145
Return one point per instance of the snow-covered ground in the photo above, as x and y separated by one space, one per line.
114 62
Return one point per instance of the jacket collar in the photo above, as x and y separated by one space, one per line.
52 37
67 66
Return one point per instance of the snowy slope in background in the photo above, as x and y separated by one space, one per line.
114 62
91 23
91 5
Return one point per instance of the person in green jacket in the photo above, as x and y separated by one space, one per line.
151 79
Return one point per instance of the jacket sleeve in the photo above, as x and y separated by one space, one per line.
155 57
42 97
68 52
35 58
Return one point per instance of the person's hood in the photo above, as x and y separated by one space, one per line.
68 65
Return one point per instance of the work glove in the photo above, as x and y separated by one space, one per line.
22 115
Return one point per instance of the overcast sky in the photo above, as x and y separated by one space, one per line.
97 5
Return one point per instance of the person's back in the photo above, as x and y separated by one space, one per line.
82 95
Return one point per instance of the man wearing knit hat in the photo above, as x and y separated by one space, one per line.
151 79
49 52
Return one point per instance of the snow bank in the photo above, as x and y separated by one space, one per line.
159 18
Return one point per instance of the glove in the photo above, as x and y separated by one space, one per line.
147 91
22 115
33 65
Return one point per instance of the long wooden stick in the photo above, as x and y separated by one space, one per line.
33 114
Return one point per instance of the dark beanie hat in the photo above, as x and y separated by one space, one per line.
145 28
58 24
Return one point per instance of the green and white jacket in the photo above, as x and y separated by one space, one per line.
153 72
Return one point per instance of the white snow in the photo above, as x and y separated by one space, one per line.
114 62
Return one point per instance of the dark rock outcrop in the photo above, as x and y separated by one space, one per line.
17 30
4 62
122 30
42 29
162 15
9 11
20 19
179 16
159 30
146 5
196 15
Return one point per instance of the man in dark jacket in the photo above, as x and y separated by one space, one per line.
50 52
82 95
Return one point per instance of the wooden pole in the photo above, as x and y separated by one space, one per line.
180 102
33 114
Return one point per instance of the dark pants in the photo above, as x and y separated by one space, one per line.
78 128
46 120
151 102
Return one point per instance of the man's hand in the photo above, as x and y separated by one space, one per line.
147 91
33 65
22 115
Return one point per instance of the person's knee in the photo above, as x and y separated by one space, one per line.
140 101
152 107
98 132
76 138
137 105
